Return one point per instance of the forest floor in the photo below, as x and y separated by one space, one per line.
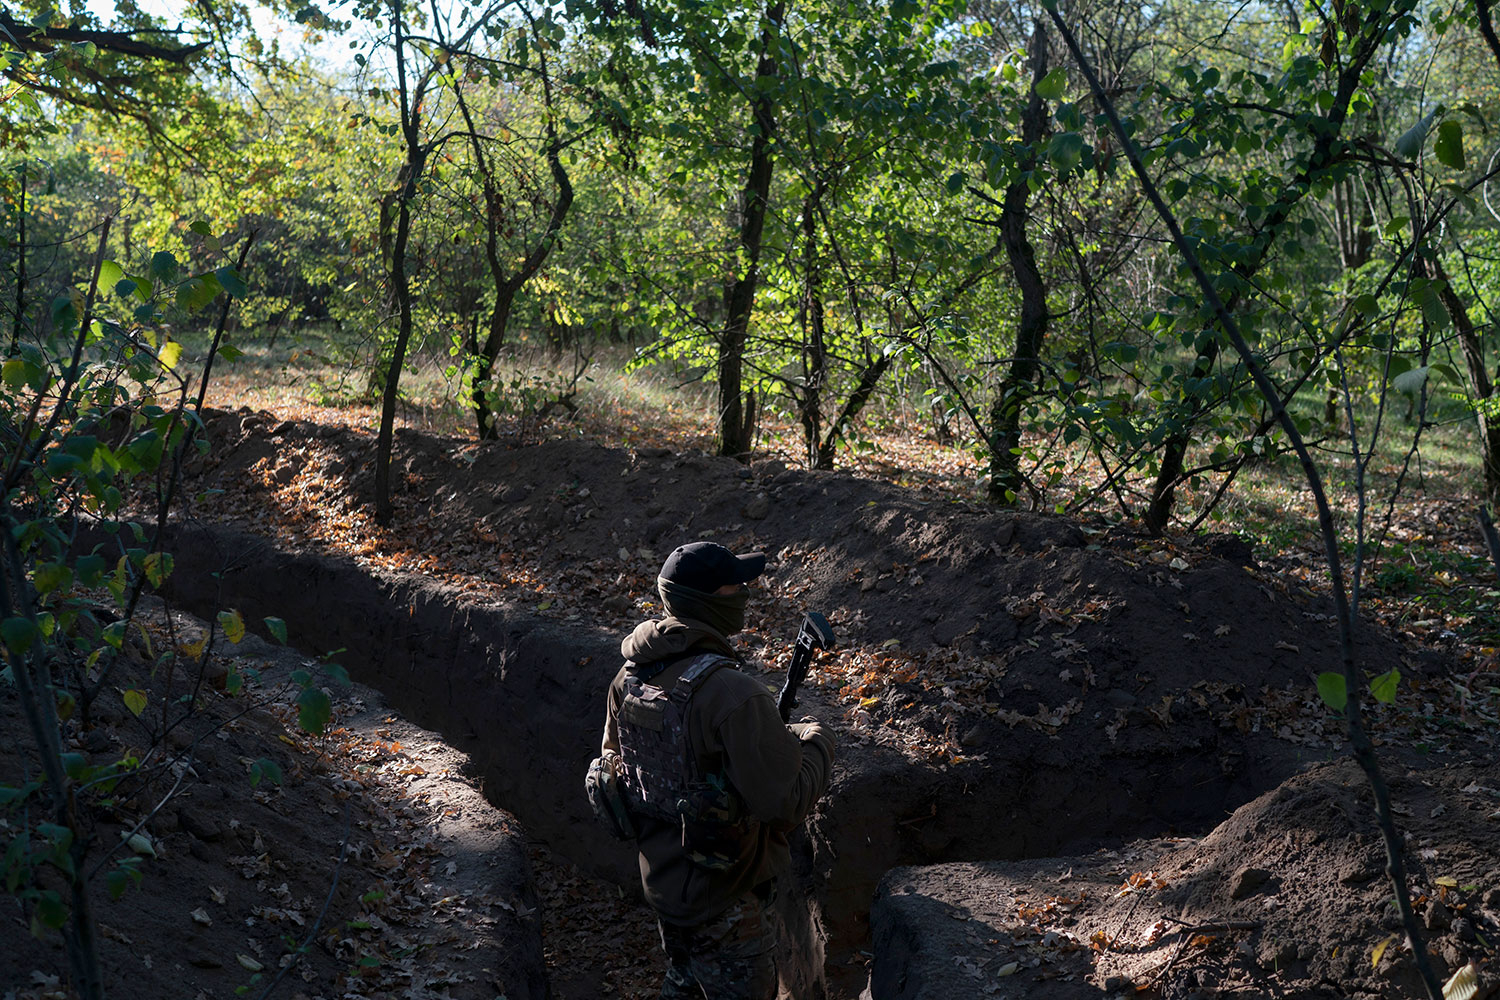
300 474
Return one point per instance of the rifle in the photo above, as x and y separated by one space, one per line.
815 633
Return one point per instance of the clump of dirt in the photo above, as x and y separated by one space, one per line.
1288 897
357 864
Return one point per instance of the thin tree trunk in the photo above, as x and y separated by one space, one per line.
815 350
735 421
508 285
1020 382
868 380
19 321
406 189
1480 385
383 505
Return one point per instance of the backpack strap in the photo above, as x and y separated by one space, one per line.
698 671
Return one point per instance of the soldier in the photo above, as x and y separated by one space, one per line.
711 779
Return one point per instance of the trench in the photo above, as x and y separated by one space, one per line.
522 696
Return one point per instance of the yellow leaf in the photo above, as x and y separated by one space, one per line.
867 702
1447 880
135 700
1379 951
170 352
232 624
191 650
890 643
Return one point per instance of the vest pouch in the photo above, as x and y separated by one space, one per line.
607 798
714 827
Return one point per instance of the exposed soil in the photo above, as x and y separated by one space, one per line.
372 868
1008 686
1286 898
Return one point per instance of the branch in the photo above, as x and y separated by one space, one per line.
30 38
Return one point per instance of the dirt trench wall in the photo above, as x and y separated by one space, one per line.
524 698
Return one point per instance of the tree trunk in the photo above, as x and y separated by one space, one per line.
736 432
815 350
484 363
1479 384
1020 382
868 380
383 506
508 285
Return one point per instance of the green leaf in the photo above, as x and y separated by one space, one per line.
1411 141
314 710
233 625
1065 151
1052 86
1333 690
231 282
158 566
18 633
163 265
277 628
1449 146
197 293
135 700
13 372
1411 382
51 910
111 275
48 577
230 353
1383 688
201 227
265 769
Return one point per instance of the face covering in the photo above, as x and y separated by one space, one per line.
724 613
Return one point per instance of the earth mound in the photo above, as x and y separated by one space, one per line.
1288 897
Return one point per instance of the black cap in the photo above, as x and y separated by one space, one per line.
706 566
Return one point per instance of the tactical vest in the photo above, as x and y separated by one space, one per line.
659 772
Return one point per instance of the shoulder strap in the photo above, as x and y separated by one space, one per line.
700 670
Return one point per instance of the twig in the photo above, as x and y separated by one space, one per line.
1187 935
313 930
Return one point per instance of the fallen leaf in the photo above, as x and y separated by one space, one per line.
1379 951
140 844
200 916
1223 630
249 963
1288 647
1464 984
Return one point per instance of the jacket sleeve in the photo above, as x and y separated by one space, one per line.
779 776
610 744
